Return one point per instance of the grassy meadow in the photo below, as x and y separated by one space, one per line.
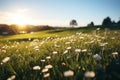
61 54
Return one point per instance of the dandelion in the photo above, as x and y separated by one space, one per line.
68 73
97 57
46 75
49 66
44 70
11 78
6 59
89 74
55 52
77 50
36 68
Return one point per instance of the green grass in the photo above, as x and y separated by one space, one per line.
24 54
47 33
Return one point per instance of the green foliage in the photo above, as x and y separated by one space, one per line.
73 23
107 22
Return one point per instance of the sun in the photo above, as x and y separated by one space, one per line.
20 20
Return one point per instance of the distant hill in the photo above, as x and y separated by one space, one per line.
6 30
15 29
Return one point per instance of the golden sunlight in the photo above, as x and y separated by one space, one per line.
20 19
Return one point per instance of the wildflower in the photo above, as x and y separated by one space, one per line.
63 64
83 68
68 48
67 43
89 53
91 42
1 63
6 59
115 53
57 46
103 44
48 66
36 68
68 73
77 50
42 42
29 39
79 67
68 57
46 75
98 29
42 60
11 78
97 57
77 33
66 51
81 37
36 40
45 70
48 57
36 48
89 74
55 52
3 51
113 38
84 50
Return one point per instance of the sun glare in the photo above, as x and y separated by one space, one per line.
20 20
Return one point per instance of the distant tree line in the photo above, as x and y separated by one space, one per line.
15 29
106 23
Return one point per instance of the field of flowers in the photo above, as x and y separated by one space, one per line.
79 56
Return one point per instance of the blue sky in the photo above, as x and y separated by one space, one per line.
58 12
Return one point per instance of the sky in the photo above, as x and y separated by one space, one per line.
58 12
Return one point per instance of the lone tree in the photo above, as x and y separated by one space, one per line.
73 23
91 24
107 22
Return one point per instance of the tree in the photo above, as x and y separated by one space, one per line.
118 22
73 23
91 24
107 22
